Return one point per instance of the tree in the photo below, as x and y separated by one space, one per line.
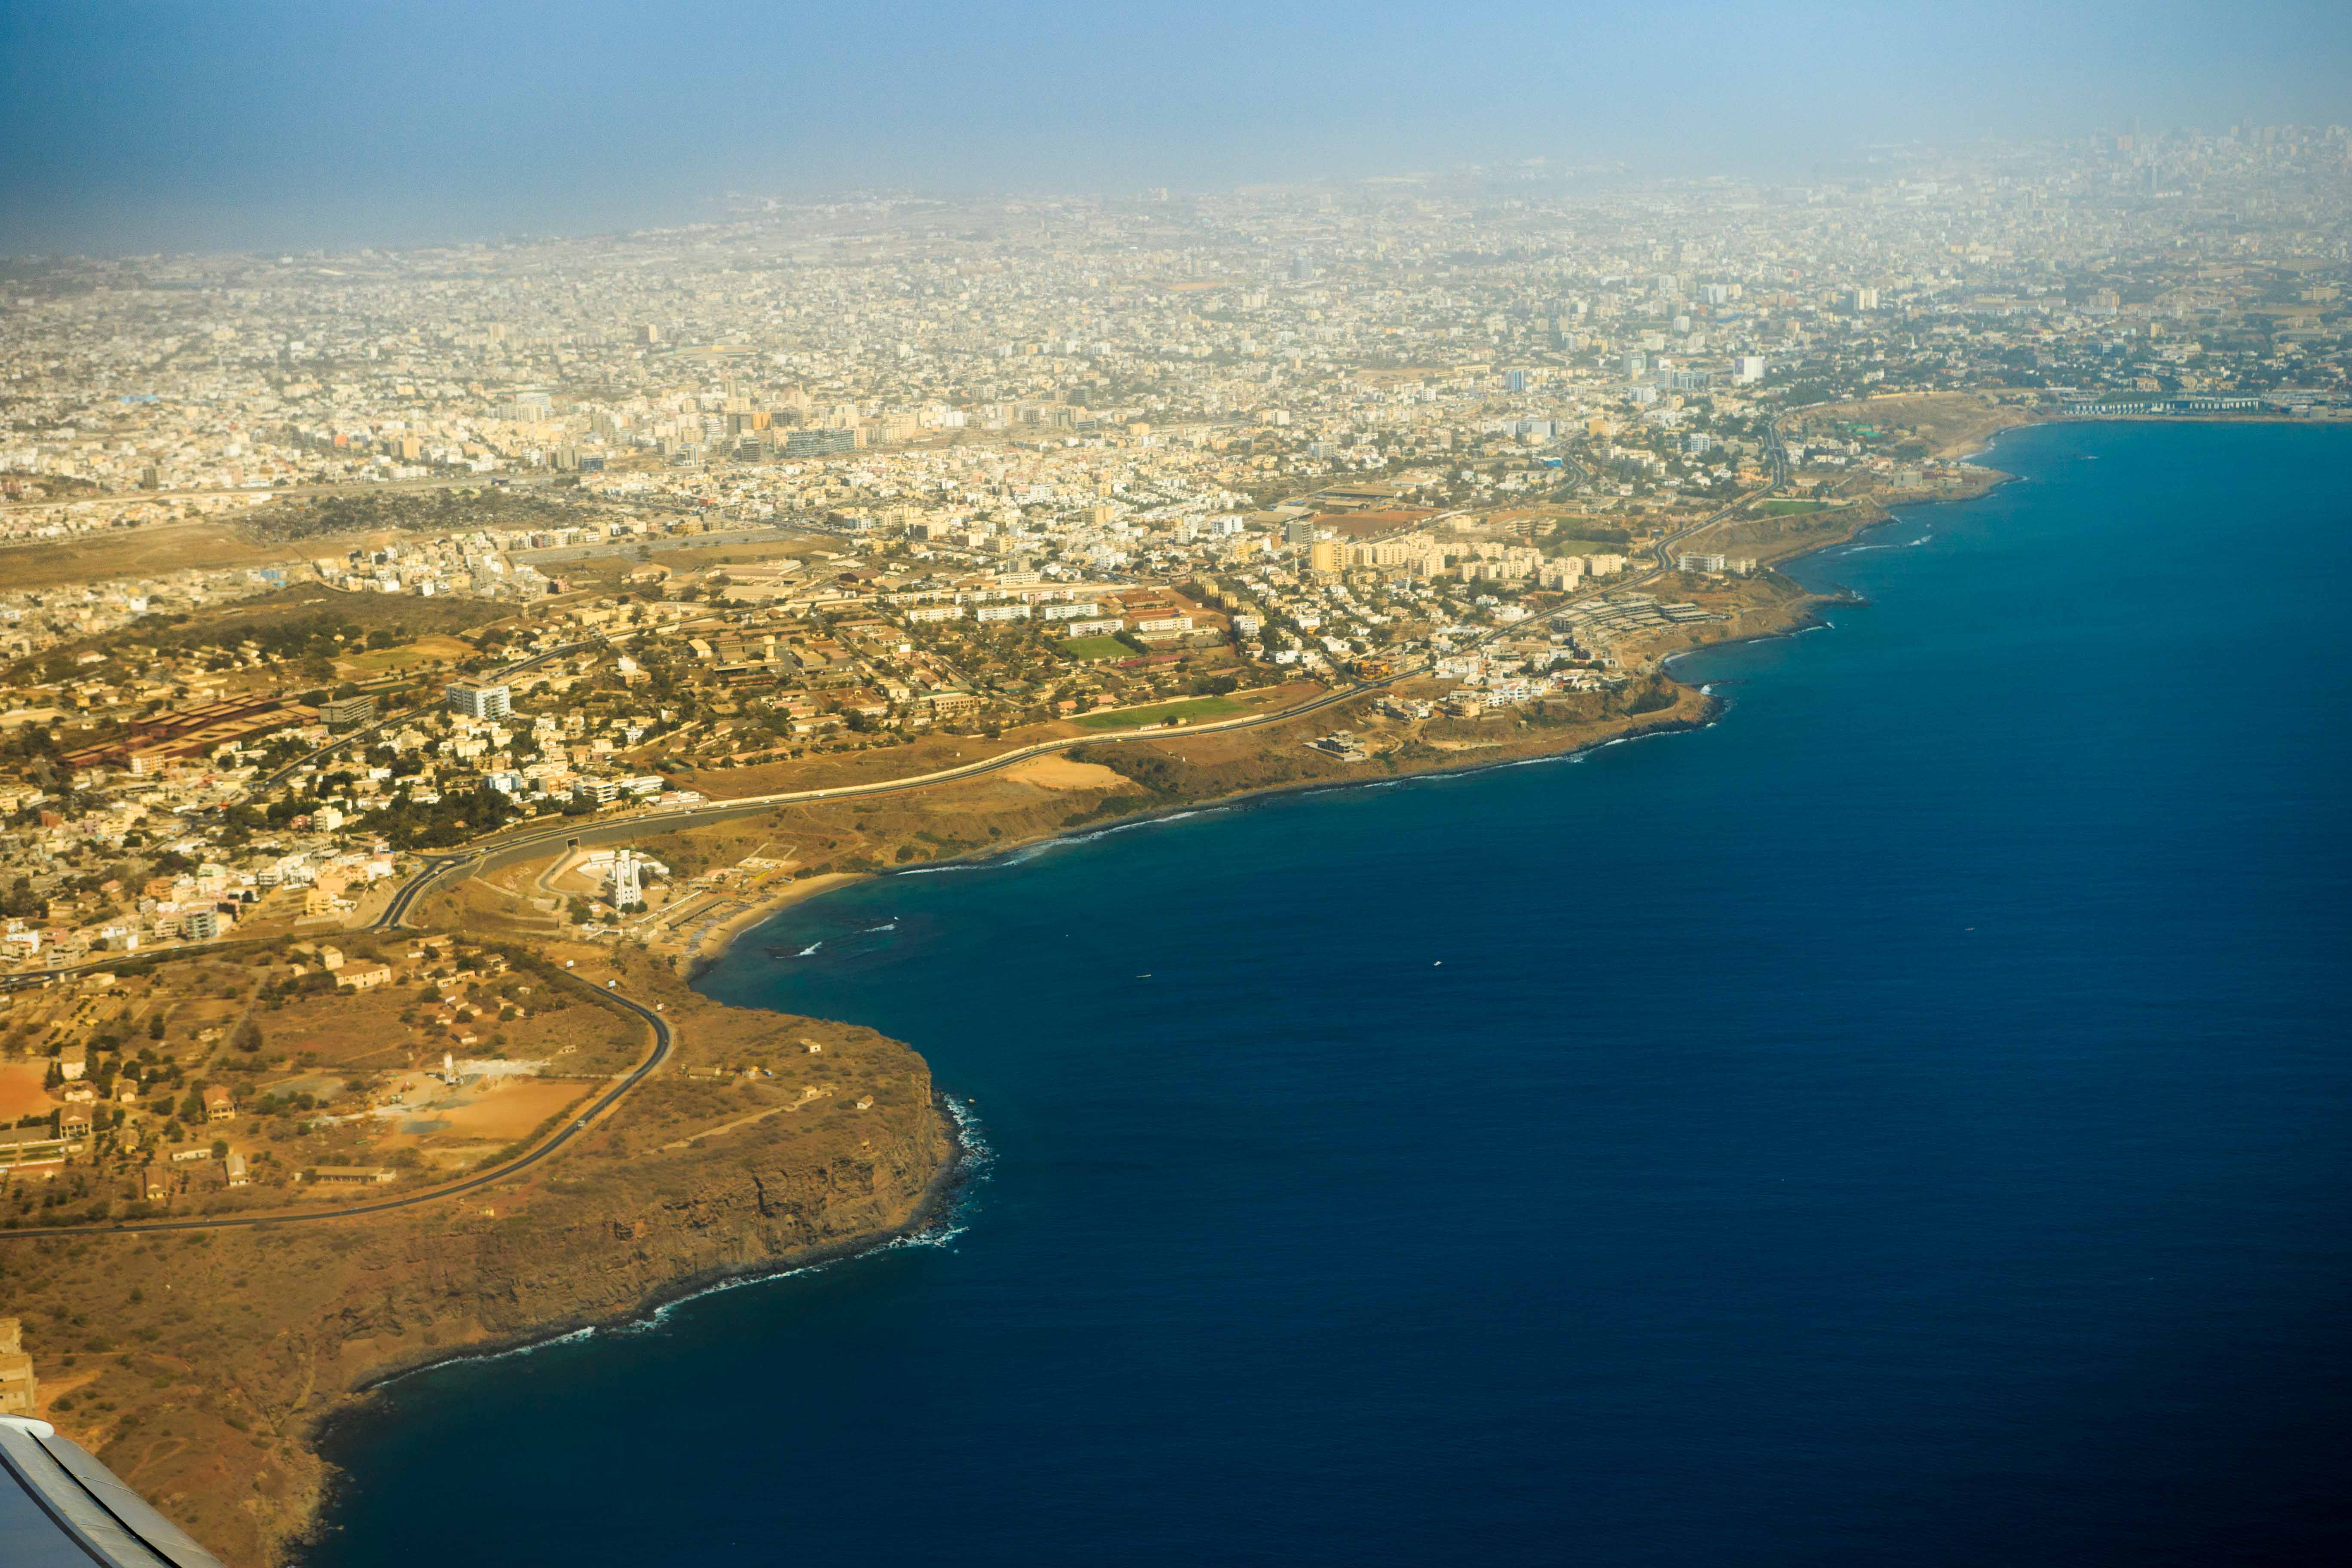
245 1037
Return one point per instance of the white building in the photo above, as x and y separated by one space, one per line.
480 700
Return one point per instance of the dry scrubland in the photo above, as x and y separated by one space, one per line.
199 1365
1772 533
1098 784
210 544
430 627
1951 424
932 752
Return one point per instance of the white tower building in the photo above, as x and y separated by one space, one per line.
628 880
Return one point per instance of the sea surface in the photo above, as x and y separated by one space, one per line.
1909 1121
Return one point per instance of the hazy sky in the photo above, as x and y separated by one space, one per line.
133 126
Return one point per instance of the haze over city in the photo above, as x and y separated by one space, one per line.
1039 786
247 125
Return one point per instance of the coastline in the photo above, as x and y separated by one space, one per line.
1805 617
966 1159
511 1383
715 1243
710 947
835 882
232 1442
931 1223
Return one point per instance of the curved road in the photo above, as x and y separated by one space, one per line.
472 858
436 868
579 1124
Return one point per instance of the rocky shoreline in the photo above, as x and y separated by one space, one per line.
227 1429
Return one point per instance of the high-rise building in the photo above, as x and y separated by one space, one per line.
343 713
628 880
480 699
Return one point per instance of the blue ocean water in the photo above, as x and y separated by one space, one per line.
1904 1122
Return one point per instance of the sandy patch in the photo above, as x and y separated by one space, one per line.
509 1111
719 936
1057 773
21 1093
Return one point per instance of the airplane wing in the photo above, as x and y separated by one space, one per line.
59 1507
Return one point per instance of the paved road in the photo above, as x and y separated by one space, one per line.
668 819
438 868
672 818
662 1040
1664 549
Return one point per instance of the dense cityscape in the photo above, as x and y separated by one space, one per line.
328 566
979 464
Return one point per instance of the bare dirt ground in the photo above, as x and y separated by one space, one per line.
211 545
429 649
928 754
1952 424
1062 773
21 1093
510 1109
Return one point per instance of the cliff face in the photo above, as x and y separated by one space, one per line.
585 1247
205 1362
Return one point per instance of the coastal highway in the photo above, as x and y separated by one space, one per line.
435 869
668 819
517 846
662 1040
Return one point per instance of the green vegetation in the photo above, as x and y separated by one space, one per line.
293 624
1085 651
1792 507
437 510
1584 536
1191 710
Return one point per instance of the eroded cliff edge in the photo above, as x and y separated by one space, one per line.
226 1351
